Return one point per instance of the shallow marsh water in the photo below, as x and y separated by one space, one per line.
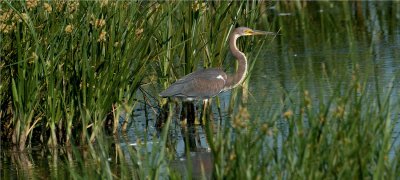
268 79
307 61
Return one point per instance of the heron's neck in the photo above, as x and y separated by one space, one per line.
237 78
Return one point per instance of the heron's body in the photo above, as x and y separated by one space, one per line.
207 83
202 84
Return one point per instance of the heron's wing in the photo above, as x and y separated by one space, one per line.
199 84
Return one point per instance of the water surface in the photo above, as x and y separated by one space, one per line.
288 64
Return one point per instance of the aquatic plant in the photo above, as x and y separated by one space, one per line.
70 69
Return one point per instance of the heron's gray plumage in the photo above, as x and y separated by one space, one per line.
202 84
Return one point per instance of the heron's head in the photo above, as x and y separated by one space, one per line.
245 31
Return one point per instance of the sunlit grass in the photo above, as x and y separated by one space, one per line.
70 67
69 70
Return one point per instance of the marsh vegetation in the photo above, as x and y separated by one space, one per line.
80 82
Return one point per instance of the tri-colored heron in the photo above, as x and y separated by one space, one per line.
207 83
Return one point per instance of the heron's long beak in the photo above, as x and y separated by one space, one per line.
257 32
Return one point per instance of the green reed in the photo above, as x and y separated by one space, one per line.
346 136
66 73
79 64
189 37
197 36
342 131
70 65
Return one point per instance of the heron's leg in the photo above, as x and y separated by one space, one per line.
204 111
201 117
